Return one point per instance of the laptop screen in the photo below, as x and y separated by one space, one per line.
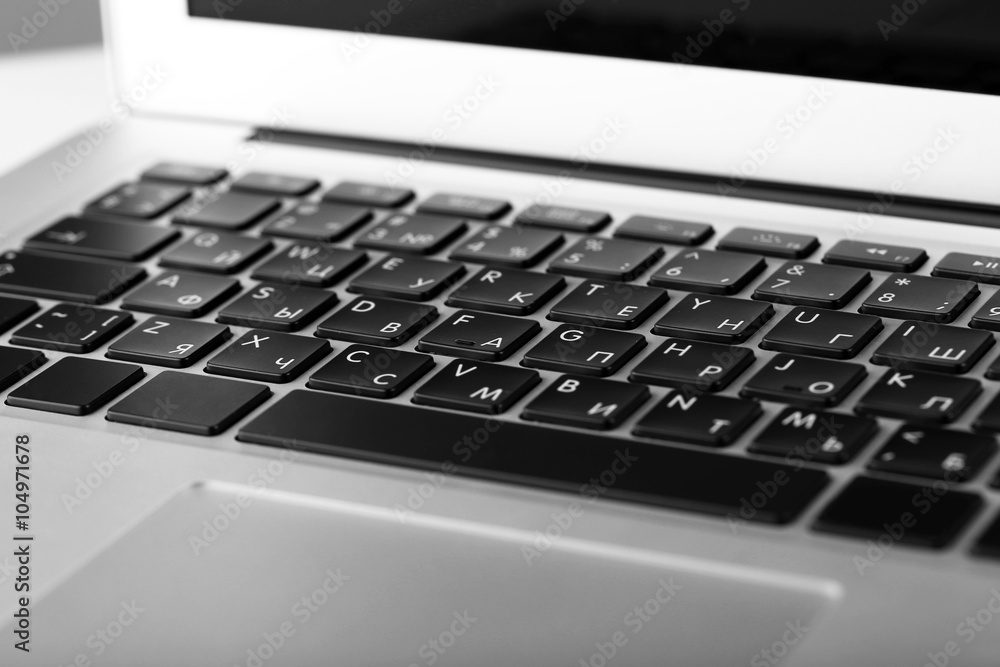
926 43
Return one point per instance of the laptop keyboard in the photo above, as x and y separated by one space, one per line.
482 388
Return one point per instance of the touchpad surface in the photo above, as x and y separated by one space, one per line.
220 575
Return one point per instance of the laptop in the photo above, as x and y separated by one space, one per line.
541 333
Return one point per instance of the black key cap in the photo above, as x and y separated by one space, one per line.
989 420
876 256
541 457
988 317
607 259
278 307
413 279
572 348
822 333
804 381
383 322
928 398
315 264
980 268
916 514
816 437
774 244
920 298
216 252
507 291
139 200
189 403
317 222
187 174
561 217
609 304
267 356
693 366
465 206
181 294
586 402
363 370
71 328
924 346
66 278
476 387
708 271
14 311
508 246
988 544
713 421
419 234
479 336
661 230
96 238
230 210
17 364
168 342
953 456
75 386
379 196
278 185
714 318
818 285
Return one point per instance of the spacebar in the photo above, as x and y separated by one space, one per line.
580 463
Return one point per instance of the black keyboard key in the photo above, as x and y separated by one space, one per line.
964 266
988 420
70 328
927 398
216 252
988 317
168 342
708 271
314 264
383 322
774 244
181 294
366 194
187 174
609 304
817 285
573 400
925 346
920 298
693 366
14 311
508 291
876 256
814 437
371 371
418 234
508 246
662 230
988 544
278 185
537 456
189 403
914 514
476 387
465 206
320 222
124 241
822 333
607 259
278 307
561 217
229 210
953 456
571 348
411 278
15 365
804 381
267 356
713 421
714 318
75 386
139 200
65 278
479 336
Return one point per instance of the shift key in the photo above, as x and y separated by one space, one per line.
64 278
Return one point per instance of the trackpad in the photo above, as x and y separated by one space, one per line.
223 576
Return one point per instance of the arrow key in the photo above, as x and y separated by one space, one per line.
953 456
